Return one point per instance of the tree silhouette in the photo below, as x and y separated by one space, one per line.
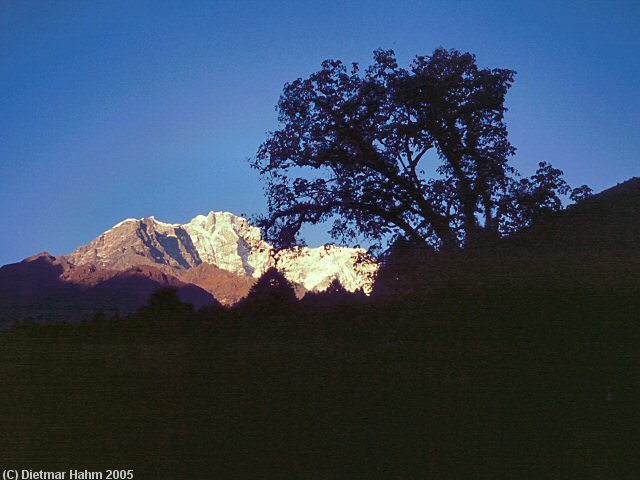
419 152
334 294
165 306
271 293
402 261
336 288
528 199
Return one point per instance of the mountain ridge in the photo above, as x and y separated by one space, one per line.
225 241
213 258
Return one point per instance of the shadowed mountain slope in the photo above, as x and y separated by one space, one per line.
49 288
225 286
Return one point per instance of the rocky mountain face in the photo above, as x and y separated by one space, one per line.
221 253
140 242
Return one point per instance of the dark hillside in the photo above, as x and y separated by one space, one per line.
592 244
47 288
606 222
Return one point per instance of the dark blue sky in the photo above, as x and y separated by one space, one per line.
110 110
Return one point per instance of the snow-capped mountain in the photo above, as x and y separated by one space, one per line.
316 268
226 242
230 243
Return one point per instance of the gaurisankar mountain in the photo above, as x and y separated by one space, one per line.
213 258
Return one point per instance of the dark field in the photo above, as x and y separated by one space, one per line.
482 382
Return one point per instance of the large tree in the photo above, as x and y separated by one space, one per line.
420 153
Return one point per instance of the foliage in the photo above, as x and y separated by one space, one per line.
334 297
165 306
528 199
420 152
272 292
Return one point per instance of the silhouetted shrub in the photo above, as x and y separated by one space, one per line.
272 293
24 324
403 267
335 296
164 306
98 319
210 313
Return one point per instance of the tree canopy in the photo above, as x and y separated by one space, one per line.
419 152
271 293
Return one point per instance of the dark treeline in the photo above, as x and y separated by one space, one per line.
518 368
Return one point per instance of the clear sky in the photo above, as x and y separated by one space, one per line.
111 110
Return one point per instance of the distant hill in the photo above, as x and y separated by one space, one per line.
48 288
594 242
606 222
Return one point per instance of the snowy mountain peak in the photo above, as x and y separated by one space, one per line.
316 268
231 243
228 242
